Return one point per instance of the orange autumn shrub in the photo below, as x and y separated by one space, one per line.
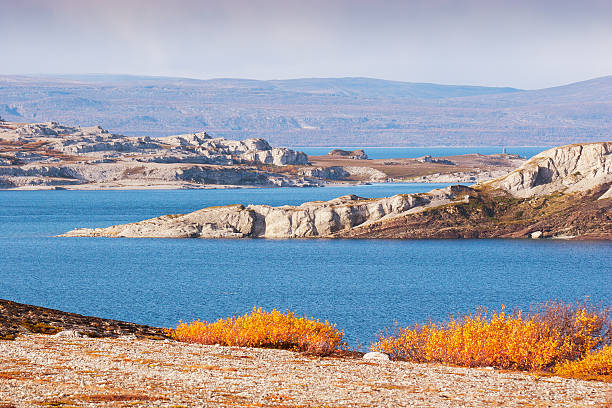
265 329
555 333
582 327
597 362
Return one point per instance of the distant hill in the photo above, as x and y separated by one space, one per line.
317 111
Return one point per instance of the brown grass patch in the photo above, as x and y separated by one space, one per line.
117 397
278 397
10 336
57 403
14 375
41 328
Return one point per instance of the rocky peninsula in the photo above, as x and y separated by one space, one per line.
564 192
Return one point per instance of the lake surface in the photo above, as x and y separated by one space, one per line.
412 152
362 286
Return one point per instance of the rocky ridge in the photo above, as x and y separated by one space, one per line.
51 154
193 148
469 177
309 220
565 203
345 173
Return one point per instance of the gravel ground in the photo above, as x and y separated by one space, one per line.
41 370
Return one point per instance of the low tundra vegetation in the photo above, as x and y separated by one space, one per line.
567 339
595 363
572 340
260 328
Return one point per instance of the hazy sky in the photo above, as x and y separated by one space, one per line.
520 43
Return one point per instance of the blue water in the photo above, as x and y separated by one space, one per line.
363 286
412 152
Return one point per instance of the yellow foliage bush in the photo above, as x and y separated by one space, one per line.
265 329
536 341
594 363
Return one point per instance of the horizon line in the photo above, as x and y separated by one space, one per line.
162 77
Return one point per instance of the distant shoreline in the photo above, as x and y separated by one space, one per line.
414 147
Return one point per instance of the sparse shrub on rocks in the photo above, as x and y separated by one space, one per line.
40 327
538 340
265 329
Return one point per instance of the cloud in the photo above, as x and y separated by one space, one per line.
519 43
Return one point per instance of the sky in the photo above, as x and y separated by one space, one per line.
526 44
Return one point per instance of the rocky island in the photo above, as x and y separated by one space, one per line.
564 192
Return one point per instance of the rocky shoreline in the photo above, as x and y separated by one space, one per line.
19 319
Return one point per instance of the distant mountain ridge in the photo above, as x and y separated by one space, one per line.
317 111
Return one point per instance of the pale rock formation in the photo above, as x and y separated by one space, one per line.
280 156
469 177
39 154
192 139
429 159
345 173
249 150
309 220
366 173
571 168
327 173
68 334
76 140
607 194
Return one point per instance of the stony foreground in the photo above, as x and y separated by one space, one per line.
41 370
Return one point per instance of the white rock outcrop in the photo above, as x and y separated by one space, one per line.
345 173
571 168
309 220
99 143
50 154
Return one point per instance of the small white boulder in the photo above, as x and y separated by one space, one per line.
536 234
376 356
69 334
